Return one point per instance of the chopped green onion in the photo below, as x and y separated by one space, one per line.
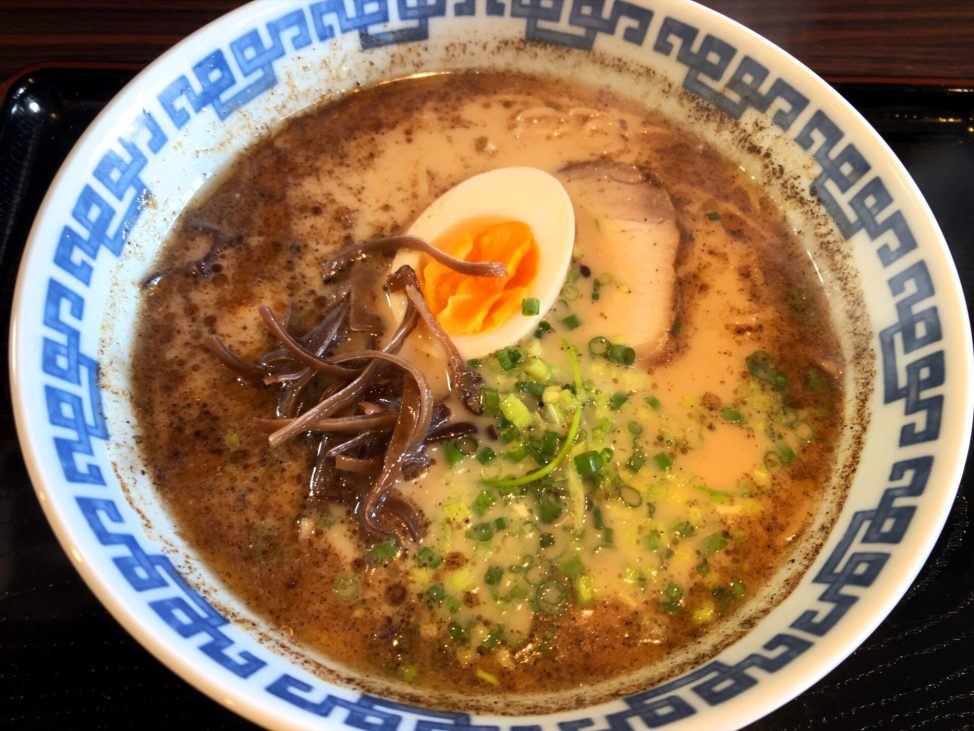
515 411
436 594
490 401
597 521
549 443
550 597
546 540
508 357
585 589
538 369
653 540
713 216
815 381
427 558
487 677
684 529
492 639
571 322
530 306
409 673
548 510
787 453
508 433
569 437
588 463
452 454
385 551
486 455
737 588
493 575
779 382
516 453
458 633
598 345
573 566
621 354
500 523
635 428
596 290
483 502
717 496
654 403
662 461
474 363
543 328
480 532
467 444
618 399
713 543
346 587
732 415
531 387
672 598
762 368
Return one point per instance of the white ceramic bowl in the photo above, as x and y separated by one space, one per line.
189 113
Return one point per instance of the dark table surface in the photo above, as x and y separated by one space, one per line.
65 663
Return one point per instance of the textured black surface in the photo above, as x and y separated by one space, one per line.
65 663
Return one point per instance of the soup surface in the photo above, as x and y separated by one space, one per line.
642 464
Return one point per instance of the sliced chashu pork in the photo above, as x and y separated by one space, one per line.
628 236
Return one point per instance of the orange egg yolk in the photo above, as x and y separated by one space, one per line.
466 305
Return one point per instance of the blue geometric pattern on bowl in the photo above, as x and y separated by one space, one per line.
232 76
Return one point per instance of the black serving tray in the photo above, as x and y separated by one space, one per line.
65 663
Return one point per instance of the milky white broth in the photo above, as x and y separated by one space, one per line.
712 450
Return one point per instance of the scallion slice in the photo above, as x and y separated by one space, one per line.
346 587
452 454
508 358
569 437
543 328
530 306
598 345
490 401
618 399
486 455
571 322
588 463
622 354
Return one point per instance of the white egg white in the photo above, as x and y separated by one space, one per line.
524 194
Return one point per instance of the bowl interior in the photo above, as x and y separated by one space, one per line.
883 262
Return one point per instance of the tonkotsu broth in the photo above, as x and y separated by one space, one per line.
696 468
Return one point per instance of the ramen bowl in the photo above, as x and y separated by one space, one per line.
893 294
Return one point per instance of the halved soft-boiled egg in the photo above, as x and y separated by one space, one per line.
521 217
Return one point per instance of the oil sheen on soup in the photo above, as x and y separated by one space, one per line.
642 460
